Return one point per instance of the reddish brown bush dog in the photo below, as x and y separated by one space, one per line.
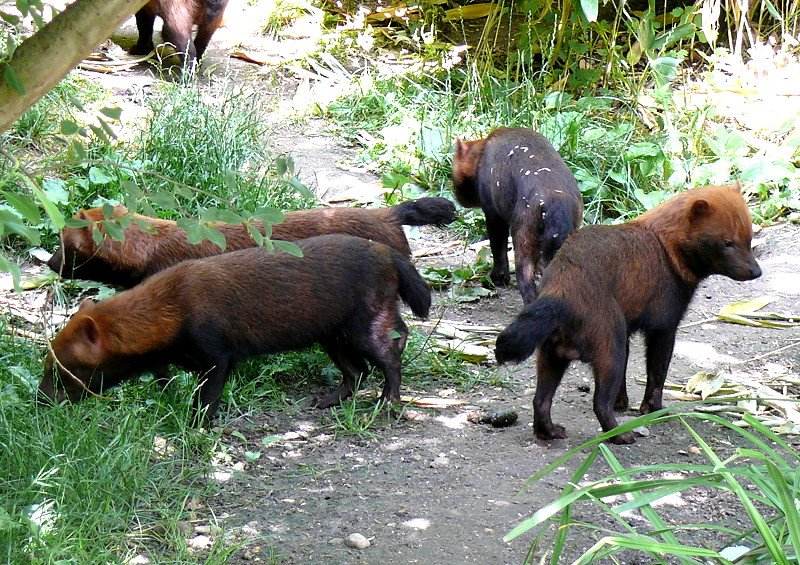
209 314
523 186
179 16
142 254
608 282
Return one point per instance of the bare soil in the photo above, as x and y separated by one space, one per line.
436 488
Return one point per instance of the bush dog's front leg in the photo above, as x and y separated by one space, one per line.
609 373
659 346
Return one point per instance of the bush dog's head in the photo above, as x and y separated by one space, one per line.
78 251
80 355
709 231
466 157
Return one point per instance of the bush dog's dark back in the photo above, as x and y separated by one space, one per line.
141 254
179 16
608 282
209 314
525 188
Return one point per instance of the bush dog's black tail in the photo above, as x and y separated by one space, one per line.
425 211
413 289
536 322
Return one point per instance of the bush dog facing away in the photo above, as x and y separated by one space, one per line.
608 282
142 254
209 314
179 16
523 185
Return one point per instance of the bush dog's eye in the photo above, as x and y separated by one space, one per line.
728 243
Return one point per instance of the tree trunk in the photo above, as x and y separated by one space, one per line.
48 55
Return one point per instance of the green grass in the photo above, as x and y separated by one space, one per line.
83 482
759 470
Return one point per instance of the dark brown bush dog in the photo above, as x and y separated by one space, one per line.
523 186
179 16
142 254
207 315
608 282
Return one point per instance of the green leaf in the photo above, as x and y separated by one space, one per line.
113 113
194 231
252 456
9 18
13 81
270 439
255 234
99 176
231 181
11 223
219 215
52 211
269 215
288 247
165 200
100 133
69 127
302 189
7 266
97 235
114 230
25 206
589 9
214 236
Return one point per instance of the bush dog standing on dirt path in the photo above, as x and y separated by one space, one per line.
608 282
142 254
209 314
523 185
179 16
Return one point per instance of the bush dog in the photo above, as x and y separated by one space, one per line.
207 315
608 282
141 254
523 186
179 16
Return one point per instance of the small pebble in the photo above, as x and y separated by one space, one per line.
356 541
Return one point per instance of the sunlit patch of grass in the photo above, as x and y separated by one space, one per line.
98 481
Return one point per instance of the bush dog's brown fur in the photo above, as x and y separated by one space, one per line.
608 282
141 254
209 314
179 16
523 186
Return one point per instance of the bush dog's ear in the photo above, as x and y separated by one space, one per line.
82 215
88 303
462 147
737 184
90 330
700 209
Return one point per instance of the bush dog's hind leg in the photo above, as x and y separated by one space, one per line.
209 393
353 367
659 346
622 403
526 252
384 347
550 369
608 363
497 228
